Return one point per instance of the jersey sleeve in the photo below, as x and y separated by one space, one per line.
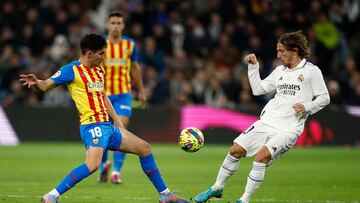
135 56
269 83
322 97
259 86
317 83
64 75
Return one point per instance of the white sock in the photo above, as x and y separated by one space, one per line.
254 180
54 192
166 191
229 166
115 173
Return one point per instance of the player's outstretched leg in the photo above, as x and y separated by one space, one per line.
119 158
229 166
256 175
133 144
104 168
92 163
67 183
254 180
150 168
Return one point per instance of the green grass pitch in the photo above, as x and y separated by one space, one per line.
318 174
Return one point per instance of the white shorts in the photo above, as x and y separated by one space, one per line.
260 134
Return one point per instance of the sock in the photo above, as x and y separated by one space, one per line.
149 167
229 166
74 177
103 161
118 160
166 191
54 192
254 180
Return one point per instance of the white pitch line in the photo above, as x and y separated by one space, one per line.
148 199
304 201
80 197
17 196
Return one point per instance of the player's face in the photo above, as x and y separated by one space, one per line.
115 25
97 57
285 56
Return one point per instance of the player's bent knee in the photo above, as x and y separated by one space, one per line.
145 149
93 166
263 156
237 151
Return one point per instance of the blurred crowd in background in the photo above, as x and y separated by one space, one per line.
190 51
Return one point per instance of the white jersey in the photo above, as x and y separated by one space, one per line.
302 84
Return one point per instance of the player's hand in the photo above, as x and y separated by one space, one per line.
299 109
142 98
28 80
251 58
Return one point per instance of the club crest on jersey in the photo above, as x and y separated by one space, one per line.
57 74
95 141
300 78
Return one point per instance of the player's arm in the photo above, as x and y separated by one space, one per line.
137 76
64 75
30 80
110 109
319 89
314 106
135 72
258 86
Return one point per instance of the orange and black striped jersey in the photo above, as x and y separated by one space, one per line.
118 61
86 87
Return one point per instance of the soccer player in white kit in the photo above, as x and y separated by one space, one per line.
300 91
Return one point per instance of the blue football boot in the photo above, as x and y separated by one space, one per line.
209 193
172 198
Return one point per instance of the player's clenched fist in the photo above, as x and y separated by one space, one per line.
299 109
250 58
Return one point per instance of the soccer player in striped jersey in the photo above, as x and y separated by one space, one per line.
85 81
120 67
300 91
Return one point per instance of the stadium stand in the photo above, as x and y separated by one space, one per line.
191 51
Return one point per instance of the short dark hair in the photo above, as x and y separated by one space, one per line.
296 41
115 14
92 42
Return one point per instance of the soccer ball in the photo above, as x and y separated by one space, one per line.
191 139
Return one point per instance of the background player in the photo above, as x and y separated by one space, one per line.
296 82
121 65
85 81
